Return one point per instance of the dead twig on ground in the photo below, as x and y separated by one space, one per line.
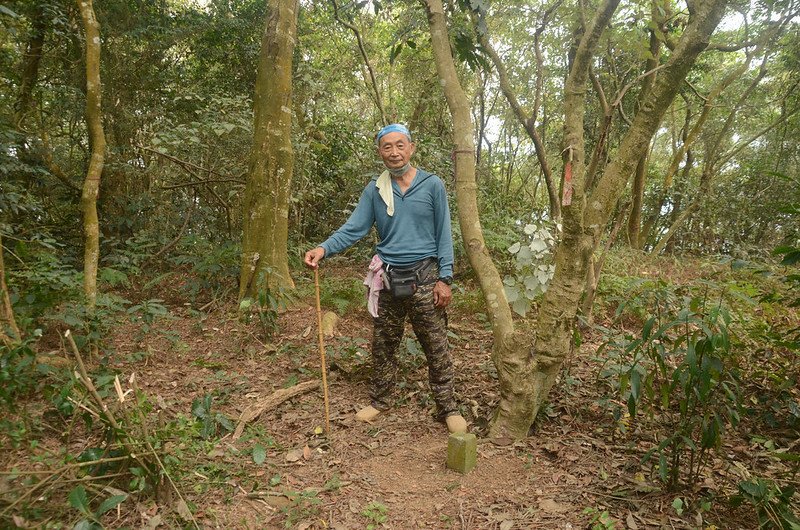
273 400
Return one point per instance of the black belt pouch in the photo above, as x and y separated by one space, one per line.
402 283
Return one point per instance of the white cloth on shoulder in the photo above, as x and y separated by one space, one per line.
384 185
374 282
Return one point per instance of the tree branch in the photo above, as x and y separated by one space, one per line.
527 122
187 164
363 51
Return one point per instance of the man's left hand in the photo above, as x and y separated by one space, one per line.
441 294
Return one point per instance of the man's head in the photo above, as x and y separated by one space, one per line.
395 148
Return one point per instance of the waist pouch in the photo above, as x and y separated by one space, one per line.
404 281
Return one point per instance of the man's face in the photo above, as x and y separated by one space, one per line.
395 149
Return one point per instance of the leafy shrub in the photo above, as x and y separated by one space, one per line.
681 367
213 267
18 374
210 423
533 267
41 285
774 505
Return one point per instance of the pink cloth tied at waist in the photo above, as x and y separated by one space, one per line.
374 282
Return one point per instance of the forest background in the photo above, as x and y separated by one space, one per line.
625 195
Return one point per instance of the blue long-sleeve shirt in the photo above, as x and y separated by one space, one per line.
419 228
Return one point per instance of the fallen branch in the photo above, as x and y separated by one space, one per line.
270 402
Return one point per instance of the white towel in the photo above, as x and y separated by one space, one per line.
384 185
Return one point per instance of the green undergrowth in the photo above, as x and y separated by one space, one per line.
697 352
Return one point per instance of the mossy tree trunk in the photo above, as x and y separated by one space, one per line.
527 373
97 141
265 261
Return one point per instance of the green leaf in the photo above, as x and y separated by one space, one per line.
662 467
395 52
788 457
78 500
259 454
678 505
631 406
520 306
83 524
791 258
636 384
224 421
109 504
648 327
7 11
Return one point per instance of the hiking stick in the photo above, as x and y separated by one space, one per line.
322 356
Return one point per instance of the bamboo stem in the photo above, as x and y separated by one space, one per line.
322 355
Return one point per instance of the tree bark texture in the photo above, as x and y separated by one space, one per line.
265 261
97 141
637 190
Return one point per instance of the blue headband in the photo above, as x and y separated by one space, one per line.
394 127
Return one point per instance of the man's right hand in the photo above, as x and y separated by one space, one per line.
313 256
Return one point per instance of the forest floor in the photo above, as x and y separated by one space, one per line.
579 468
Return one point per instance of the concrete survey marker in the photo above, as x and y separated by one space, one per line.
462 452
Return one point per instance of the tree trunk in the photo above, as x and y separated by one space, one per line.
30 69
510 347
265 261
97 141
583 226
637 190
9 332
526 377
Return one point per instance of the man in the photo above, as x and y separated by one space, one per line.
409 207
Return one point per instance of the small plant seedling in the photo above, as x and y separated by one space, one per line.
376 513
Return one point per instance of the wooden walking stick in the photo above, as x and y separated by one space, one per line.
322 356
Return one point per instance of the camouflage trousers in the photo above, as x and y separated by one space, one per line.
430 326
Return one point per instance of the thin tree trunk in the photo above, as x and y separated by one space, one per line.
30 70
556 318
91 185
466 189
265 261
7 320
593 274
511 347
637 190
376 93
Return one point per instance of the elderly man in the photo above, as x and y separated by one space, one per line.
409 207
